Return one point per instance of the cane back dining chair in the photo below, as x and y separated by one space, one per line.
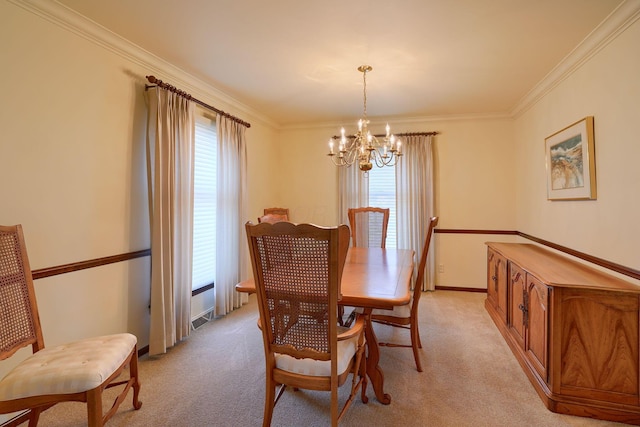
297 271
368 229
368 226
406 316
273 215
78 371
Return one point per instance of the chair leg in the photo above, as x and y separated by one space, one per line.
34 416
363 376
94 407
415 345
334 404
357 380
133 373
269 401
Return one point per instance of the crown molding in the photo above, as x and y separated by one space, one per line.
621 18
80 25
615 24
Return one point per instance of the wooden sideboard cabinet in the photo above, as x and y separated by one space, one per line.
574 330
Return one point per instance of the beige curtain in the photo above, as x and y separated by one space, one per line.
353 191
414 198
170 151
232 253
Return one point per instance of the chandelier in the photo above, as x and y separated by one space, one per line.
364 147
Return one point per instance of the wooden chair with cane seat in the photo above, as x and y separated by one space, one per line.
78 371
406 316
368 226
297 271
273 215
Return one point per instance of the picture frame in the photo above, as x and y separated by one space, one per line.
570 162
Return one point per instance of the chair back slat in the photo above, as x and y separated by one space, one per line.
19 322
433 221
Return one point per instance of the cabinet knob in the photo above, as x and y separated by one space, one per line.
525 313
494 278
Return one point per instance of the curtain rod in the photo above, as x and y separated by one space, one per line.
396 134
167 86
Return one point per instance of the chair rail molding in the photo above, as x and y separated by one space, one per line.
627 271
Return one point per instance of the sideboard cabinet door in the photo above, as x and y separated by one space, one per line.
599 350
497 283
537 296
517 308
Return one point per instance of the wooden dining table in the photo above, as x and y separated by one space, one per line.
373 278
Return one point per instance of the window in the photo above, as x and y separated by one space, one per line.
382 194
204 203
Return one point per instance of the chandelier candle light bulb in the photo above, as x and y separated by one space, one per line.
363 147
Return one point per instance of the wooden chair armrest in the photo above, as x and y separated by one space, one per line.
355 330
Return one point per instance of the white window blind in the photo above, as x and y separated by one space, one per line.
204 203
382 194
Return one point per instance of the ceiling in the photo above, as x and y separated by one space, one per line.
295 62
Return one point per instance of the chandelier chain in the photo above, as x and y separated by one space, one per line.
364 78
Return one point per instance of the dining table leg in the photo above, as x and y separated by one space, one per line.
374 372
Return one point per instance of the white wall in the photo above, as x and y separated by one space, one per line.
307 180
475 191
73 170
606 87
263 170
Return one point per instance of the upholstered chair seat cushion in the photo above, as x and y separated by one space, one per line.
398 311
84 364
320 368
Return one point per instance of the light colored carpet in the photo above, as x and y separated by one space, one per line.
216 378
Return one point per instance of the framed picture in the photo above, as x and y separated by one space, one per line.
570 161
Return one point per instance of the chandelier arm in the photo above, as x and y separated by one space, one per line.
380 160
350 144
395 160
348 157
